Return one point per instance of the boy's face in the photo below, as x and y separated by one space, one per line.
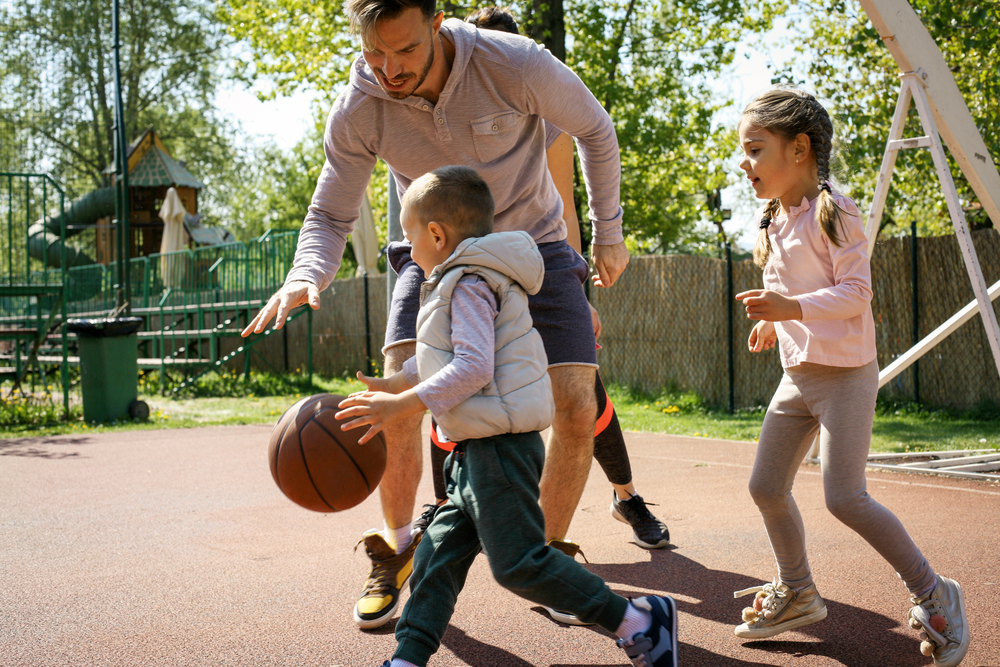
430 245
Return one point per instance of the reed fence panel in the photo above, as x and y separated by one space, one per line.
666 325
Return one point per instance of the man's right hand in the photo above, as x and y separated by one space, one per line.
290 296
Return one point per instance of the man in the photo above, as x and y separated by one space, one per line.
427 93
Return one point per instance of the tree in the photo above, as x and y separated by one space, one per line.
56 74
650 63
855 73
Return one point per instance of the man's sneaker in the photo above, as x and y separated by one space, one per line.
648 531
941 617
571 549
778 608
656 647
390 572
421 523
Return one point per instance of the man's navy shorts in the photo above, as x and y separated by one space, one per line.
559 310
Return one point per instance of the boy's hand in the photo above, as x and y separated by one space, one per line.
762 337
377 409
763 304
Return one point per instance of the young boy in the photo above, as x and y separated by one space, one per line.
481 370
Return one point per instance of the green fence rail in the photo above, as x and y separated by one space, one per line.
33 262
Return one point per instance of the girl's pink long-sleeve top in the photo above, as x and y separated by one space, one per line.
831 283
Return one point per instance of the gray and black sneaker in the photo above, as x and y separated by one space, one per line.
648 531
657 646
421 523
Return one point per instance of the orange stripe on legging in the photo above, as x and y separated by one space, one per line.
446 446
605 418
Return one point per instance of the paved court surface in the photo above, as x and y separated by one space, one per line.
175 548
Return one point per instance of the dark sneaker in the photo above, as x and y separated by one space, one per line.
945 638
779 609
421 523
647 531
571 549
390 572
656 647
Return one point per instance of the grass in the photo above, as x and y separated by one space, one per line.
216 400
898 427
228 399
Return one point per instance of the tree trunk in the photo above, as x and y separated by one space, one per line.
546 23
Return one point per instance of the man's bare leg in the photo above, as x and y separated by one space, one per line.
404 458
398 491
570 448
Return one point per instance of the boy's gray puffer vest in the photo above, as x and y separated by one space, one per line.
519 398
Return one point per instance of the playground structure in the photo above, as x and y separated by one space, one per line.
191 299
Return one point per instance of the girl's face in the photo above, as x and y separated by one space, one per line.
772 163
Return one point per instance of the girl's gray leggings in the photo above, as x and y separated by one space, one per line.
840 403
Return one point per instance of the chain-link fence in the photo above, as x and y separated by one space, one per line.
667 324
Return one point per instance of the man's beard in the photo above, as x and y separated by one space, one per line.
401 95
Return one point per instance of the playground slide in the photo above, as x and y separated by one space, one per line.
43 236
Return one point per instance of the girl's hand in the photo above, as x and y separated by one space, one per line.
763 304
762 337
377 409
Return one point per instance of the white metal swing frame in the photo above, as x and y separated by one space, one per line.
928 83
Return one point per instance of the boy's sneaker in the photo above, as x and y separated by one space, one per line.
780 608
571 549
390 572
946 637
648 531
656 647
421 523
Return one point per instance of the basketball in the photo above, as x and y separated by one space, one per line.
319 466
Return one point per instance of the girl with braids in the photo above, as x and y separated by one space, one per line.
816 306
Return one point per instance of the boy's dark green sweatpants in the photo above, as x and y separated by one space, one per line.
493 502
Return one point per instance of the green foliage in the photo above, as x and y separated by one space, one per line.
23 411
650 63
851 68
291 42
233 384
56 74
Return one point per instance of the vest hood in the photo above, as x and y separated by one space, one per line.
513 254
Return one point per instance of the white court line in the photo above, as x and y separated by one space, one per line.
819 474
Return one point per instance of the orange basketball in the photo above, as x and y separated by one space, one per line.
319 466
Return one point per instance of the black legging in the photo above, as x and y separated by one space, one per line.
609 446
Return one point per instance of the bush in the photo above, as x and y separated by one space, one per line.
19 411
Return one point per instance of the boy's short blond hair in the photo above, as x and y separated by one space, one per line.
455 196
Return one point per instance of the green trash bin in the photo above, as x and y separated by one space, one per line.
109 370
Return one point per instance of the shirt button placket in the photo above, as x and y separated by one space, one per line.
443 133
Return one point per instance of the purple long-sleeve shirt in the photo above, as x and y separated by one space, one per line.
489 116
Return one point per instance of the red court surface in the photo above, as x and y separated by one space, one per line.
175 548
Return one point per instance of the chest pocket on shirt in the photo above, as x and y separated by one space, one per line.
495 136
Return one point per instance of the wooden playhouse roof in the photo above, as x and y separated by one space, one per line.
150 165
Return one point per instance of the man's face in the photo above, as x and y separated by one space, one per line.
402 52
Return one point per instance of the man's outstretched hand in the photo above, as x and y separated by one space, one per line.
290 296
